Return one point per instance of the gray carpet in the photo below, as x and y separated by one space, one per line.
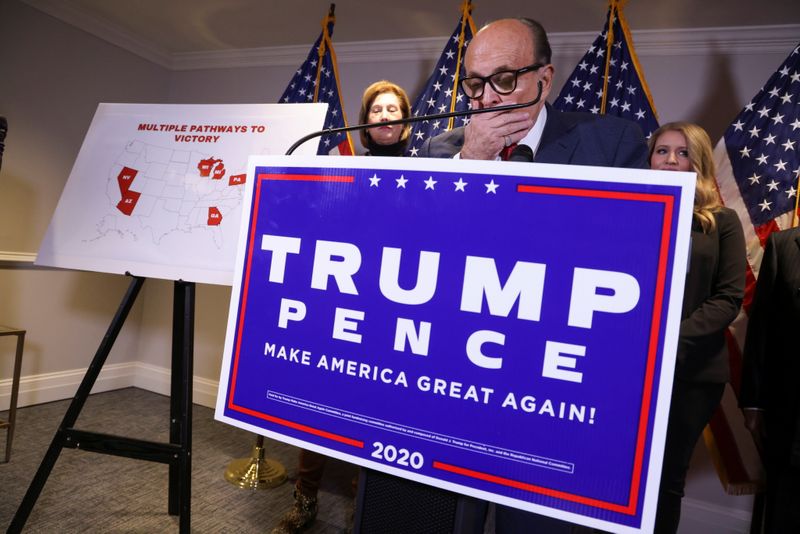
90 492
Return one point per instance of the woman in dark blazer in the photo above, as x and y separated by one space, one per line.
713 294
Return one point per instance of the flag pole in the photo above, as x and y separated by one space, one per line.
612 9
466 18
323 44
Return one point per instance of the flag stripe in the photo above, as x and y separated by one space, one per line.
757 167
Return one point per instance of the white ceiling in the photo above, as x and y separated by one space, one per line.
170 27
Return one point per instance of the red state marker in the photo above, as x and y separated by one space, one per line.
128 202
219 171
125 179
206 165
237 179
214 216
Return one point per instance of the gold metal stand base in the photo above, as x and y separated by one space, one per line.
256 472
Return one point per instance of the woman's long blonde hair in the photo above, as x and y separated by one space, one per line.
706 197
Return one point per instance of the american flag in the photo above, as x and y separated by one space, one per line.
609 79
442 91
317 80
758 167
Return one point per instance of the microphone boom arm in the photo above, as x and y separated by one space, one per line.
409 120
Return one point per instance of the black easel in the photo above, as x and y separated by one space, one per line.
177 453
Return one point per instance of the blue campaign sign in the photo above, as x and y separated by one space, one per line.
503 330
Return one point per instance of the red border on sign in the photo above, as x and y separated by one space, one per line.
629 508
250 244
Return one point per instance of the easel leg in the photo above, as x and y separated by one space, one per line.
180 470
75 407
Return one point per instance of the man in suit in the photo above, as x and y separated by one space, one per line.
505 63
770 392
508 62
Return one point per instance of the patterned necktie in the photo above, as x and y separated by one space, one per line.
506 152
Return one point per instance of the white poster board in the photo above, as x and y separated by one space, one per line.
157 189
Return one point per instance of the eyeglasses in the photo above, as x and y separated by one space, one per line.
503 82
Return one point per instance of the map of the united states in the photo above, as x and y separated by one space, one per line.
155 191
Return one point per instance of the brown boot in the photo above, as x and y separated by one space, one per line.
299 517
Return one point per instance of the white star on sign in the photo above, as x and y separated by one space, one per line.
373 181
491 187
430 183
401 182
460 185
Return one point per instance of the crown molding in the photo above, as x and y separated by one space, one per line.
692 41
8 256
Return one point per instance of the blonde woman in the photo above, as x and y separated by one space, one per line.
713 294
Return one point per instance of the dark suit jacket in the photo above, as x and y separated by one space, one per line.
712 297
568 138
771 372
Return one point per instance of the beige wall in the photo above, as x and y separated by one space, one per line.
51 78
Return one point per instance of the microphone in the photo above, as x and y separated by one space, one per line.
521 153
418 118
3 131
